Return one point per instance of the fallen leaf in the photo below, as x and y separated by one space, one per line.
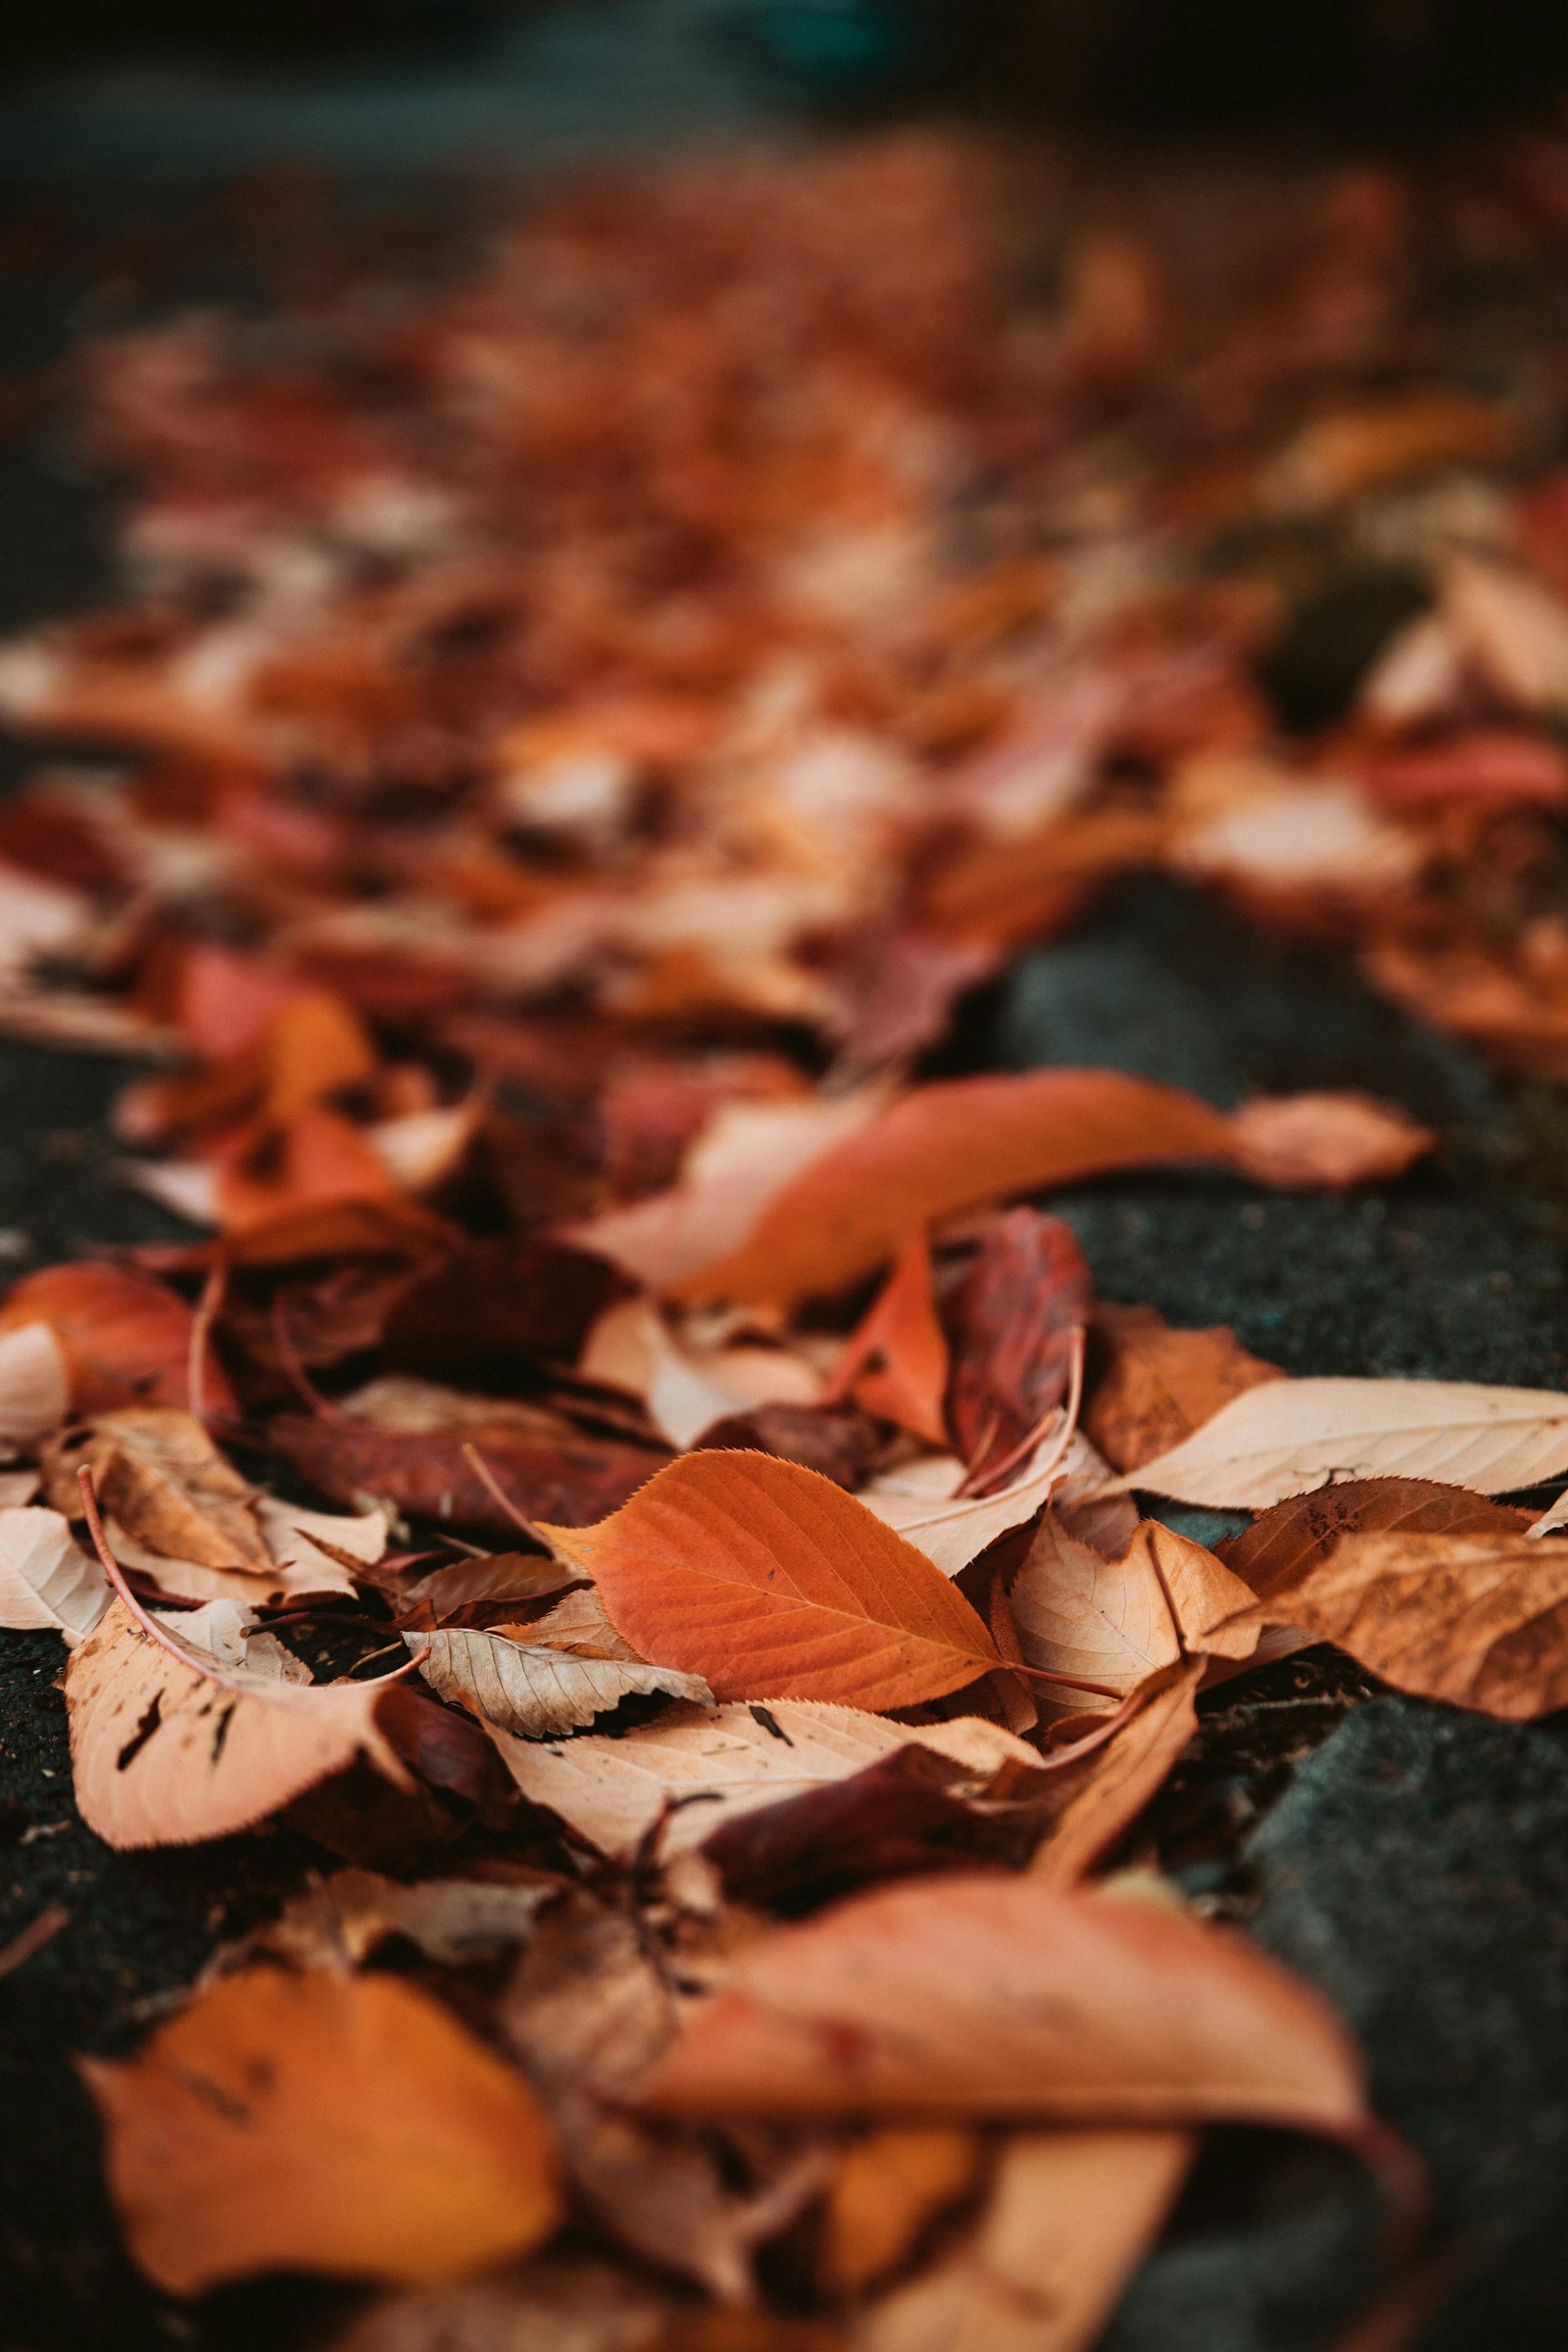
1159 1383
1104 1795
922 1504
166 1751
687 1388
888 2186
158 1474
1333 1140
1025 1294
35 1385
895 1363
550 2305
1008 1997
347 1917
532 1690
946 1147
773 1582
1301 1530
337 2124
1070 2215
1289 1435
694 1769
313 1046
1102 1621
46 1579
127 1339
1478 1620
429 1475
838 1444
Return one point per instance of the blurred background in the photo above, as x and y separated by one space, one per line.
95 84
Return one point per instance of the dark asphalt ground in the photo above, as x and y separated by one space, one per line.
1412 1860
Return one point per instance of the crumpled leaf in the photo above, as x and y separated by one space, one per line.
687 1388
1479 1620
1069 2218
46 1579
1289 1435
922 1504
1104 1792
694 1770
533 1689
1155 1384
771 1583
345 2124
1025 1294
126 1337
157 1473
1008 1997
1301 1529
167 1751
895 1363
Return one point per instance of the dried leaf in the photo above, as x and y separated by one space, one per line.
1335 1140
947 1147
429 1475
696 1769
347 1917
35 1385
922 1504
127 1339
346 2125
160 1475
887 2187
771 1583
1479 1620
1101 1621
1160 1384
1110 1788
46 1579
687 1388
836 1445
1289 1435
1006 1998
549 2306
895 1363
1070 2217
166 1752
1026 1293
534 1690
1299 1531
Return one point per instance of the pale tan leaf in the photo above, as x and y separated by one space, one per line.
166 1752
921 1504
158 1474
537 1691
1324 1139
1071 2215
35 1385
46 1579
549 2306
685 1388
1111 1789
707 1767
343 1920
1097 1620
1290 1434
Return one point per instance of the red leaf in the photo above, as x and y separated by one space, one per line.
1013 1323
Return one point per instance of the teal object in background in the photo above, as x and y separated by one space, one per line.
835 46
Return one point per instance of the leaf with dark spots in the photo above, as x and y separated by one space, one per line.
836 1442
144 1731
1012 1324
1306 1527
429 1475
496 1308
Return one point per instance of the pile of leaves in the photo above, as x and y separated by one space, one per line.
575 734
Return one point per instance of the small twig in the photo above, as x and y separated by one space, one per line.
493 1487
32 1939
294 1372
207 1307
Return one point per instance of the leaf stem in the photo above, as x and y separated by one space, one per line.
498 1494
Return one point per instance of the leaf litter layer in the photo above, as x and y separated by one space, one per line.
602 803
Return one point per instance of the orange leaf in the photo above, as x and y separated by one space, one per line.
1298 1533
315 1044
1009 1998
316 1156
896 1365
1161 1384
948 1147
338 2124
771 1583
126 1337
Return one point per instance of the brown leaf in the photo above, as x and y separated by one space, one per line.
1026 1293
771 1583
836 1445
428 1475
950 1146
127 1339
346 1918
1299 1531
1107 1791
888 2186
1008 1997
346 2125
533 1689
158 1474
1333 1140
167 1752
492 1305
1479 1620
1157 1385
1289 1435
1071 2215
895 1363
